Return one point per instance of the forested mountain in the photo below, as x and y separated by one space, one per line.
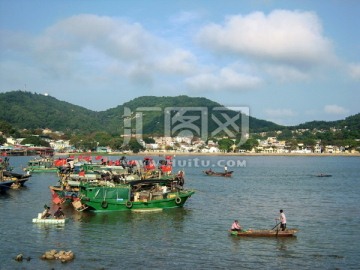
350 123
25 110
31 111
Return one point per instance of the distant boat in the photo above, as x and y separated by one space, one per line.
41 165
323 175
223 174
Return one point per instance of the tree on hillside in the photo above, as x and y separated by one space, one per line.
116 143
249 144
2 140
35 140
148 140
225 144
135 146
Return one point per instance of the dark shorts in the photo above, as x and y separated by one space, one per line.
283 226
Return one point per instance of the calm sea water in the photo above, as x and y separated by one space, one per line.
326 210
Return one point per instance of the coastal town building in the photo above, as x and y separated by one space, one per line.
187 144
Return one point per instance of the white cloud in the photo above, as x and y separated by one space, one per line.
286 73
290 37
177 62
88 47
225 79
335 109
354 70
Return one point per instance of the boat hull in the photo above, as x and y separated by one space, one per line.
6 185
174 200
42 170
224 174
265 233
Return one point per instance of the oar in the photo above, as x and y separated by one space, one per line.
276 225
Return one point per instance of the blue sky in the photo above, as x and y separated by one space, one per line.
288 61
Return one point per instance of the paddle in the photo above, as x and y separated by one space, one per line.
276 225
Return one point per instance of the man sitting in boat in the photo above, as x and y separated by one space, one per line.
59 213
236 226
46 212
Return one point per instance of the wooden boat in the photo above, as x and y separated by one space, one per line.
265 233
134 195
223 174
323 175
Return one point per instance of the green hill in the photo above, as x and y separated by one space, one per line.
31 111
25 110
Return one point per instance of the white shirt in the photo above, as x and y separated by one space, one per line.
282 218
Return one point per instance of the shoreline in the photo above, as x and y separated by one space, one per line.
212 154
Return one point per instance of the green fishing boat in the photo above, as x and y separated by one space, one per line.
41 165
135 195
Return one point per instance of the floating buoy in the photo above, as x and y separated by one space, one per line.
19 258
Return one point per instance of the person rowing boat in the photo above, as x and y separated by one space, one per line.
236 226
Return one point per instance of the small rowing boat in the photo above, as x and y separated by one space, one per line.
50 220
265 233
223 174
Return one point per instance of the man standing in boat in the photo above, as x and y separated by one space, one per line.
282 220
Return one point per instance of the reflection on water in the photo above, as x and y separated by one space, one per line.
196 236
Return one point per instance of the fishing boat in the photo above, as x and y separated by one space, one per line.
265 233
223 174
12 180
134 195
68 189
18 178
41 165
